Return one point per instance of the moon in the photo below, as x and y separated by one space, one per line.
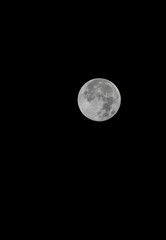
92 109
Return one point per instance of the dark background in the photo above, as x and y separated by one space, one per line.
61 156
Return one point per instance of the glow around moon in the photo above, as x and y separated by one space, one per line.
92 110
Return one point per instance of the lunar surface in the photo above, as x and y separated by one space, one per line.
99 99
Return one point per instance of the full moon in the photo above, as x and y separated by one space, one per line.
99 99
